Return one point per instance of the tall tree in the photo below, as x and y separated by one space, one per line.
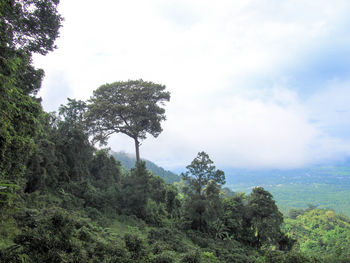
63 152
200 172
26 27
204 181
265 217
132 108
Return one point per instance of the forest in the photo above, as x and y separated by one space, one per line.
63 199
322 186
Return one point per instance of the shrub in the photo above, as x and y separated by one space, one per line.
208 257
134 245
172 237
192 257
165 257
283 257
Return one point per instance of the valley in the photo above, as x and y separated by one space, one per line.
323 186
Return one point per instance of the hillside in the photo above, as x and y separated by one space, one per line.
320 233
62 200
128 161
325 186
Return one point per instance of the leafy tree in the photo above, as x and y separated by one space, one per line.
204 181
104 169
132 108
19 118
19 115
135 191
63 152
29 25
157 188
172 201
102 185
265 217
72 141
42 167
73 113
233 216
26 27
214 202
200 172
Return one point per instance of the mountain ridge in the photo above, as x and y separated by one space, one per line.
128 161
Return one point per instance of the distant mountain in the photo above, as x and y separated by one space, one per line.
128 161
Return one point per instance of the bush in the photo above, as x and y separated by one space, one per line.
134 245
93 213
155 213
201 239
208 257
192 257
283 257
12 255
50 238
172 237
159 247
165 257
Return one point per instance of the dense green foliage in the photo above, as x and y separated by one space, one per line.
320 233
62 200
322 195
202 203
26 27
74 195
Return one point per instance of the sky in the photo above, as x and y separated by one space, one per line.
256 84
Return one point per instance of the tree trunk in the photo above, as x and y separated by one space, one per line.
137 150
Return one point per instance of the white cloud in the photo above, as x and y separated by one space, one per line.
57 91
206 53
238 132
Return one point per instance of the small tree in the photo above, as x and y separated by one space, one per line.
132 108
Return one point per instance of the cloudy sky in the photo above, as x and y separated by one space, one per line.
254 83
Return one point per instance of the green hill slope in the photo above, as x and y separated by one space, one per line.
320 233
128 161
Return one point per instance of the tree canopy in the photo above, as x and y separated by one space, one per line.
133 108
202 203
201 171
26 27
264 216
29 25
